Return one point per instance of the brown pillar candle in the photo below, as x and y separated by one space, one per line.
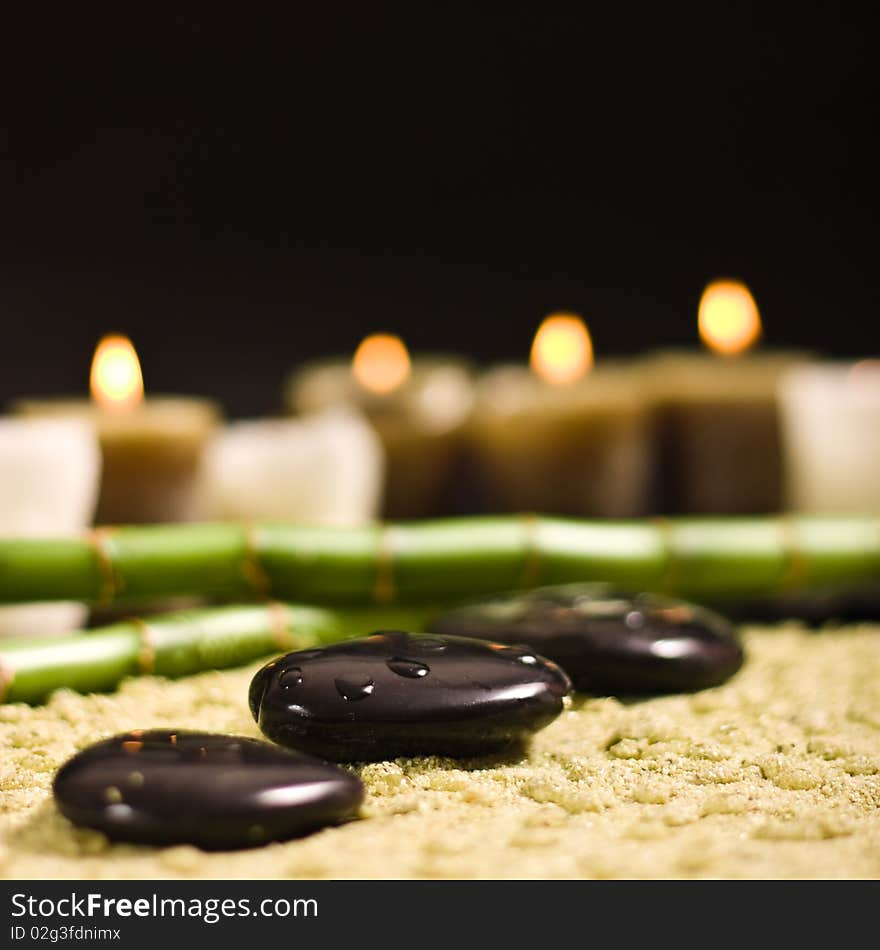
716 414
563 438
418 408
151 448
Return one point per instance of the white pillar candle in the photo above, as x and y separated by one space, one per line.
49 476
831 431
324 468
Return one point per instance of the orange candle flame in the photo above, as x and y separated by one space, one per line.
116 380
728 317
381 363
562 351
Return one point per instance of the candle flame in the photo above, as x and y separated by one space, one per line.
728 317
381 363
116 380
562 351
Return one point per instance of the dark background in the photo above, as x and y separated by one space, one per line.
240 193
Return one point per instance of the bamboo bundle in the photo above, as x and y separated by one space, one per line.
441 561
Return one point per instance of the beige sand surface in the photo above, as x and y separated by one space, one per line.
776 774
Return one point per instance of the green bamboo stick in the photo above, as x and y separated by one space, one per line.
441 561
177 644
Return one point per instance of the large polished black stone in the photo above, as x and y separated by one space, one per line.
166 787
395 694
608 642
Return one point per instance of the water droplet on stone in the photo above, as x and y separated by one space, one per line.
515 653
429 644
290 678
354 688
410 668
634 619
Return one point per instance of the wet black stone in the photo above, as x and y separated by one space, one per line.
167 787
608 642
396 694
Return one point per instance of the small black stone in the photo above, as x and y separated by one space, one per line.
608 642
173 787
396 694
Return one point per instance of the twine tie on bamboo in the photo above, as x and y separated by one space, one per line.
383 592
532 568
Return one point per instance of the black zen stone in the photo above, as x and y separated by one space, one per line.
168 787
608 642
396 694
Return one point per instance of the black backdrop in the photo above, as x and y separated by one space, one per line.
240 192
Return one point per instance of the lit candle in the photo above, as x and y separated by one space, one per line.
831 432
718 445
49 473
324 468
564 436
417 406
151 448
